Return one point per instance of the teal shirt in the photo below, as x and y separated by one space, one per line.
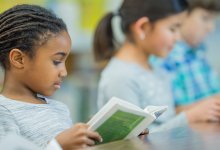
193 78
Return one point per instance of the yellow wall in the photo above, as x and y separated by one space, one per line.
92 10
5 4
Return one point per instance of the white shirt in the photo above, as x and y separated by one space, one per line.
39 123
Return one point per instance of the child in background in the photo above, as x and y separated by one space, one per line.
194 82
34 45
151 28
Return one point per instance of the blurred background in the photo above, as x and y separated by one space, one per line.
79 90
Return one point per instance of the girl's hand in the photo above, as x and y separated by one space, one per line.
77 137
143 134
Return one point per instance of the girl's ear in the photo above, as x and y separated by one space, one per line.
16 58
139 27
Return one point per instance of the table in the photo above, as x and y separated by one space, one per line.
200 136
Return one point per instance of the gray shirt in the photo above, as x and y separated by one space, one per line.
39 123
142 87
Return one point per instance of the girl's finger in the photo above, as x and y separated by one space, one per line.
94 135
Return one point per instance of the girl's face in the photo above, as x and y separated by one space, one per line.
197 25
44 73
163 34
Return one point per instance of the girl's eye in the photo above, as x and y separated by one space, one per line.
56 62
173 29
205 18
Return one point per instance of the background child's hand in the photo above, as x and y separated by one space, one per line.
77 137
143 134
205 110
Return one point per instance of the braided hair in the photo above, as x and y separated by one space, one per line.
26 27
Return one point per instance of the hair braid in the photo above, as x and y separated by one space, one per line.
26 27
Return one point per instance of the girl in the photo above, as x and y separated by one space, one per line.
34 45
150 28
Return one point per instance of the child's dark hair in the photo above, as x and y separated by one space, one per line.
26 27
130 11
210 5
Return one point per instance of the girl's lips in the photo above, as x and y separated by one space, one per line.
57 85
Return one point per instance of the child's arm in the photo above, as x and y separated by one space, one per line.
77 137
204 110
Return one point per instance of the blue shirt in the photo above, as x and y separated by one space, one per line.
192 76
139 86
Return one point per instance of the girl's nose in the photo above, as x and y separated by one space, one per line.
177 35
63 72
211 26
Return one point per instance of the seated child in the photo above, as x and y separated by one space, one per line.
128 75
194 82
34 45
